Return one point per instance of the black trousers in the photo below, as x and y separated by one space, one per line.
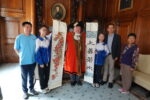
44 75
27 71
97 73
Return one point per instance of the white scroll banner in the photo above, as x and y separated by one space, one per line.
91 38
57 54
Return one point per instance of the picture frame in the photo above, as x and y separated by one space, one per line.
125 5
58 11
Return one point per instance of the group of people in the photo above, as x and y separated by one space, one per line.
34 50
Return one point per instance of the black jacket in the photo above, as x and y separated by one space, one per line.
116 45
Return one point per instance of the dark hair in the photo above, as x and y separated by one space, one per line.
101 33
81 23
70 26
132 34
26 23
43 26
110 24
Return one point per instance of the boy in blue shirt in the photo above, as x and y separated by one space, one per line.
25 48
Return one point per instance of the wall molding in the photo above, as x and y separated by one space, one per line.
8 12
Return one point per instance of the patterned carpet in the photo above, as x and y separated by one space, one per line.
11 89
85 92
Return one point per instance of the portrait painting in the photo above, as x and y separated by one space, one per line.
58 11
125 5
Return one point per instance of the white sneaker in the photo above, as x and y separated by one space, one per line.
97 85
44 91
94 85
47 89
25 96
120 90
125 92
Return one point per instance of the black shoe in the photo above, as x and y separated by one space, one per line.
73 83
103 82
110 85
79 83
33 92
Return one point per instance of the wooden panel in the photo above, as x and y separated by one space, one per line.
94 9
90 10
11 9
47 11
11 24
10 31
124 29
12 4
142 28
1 42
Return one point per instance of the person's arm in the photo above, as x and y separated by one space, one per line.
66 46
17 51
17 45
50 48
107 50
118 47
135 58
67 40
1 96
38 56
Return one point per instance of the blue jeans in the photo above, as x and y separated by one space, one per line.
74 78
27 71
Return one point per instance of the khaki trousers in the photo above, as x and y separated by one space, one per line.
126 74
109 69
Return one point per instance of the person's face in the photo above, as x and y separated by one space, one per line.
57 9
43 31
111 29
71 30
77 29
27 29
101 37
131 39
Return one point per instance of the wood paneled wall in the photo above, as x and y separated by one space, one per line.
13 8
135 20
10 29
93 9
12 14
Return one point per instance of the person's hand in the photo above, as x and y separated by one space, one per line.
95 52
132 69
42 66
116 58
120 65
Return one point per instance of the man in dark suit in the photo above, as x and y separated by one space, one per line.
113 42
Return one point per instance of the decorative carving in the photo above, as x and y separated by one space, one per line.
74 10
39 17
